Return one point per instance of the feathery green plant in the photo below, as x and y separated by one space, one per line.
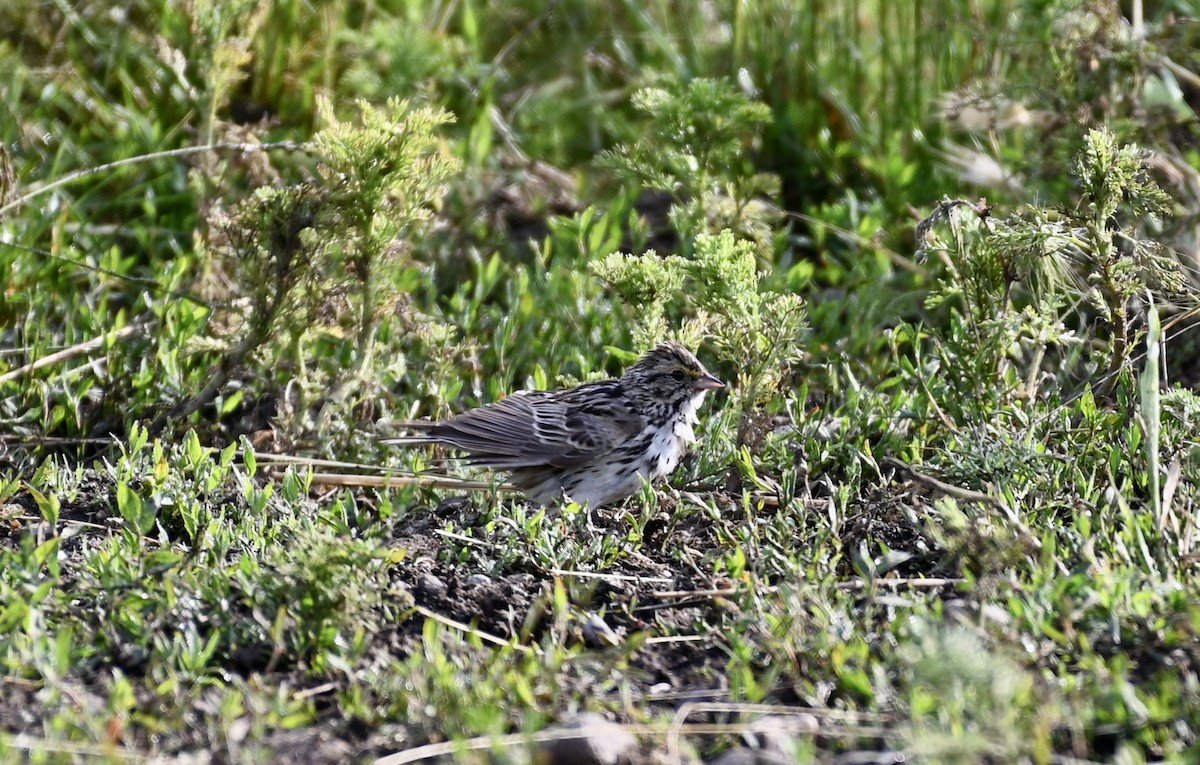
331 251
694 147
384 174
1011 284
756 329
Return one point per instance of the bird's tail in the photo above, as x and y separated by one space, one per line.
409 425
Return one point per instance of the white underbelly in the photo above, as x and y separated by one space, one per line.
670 444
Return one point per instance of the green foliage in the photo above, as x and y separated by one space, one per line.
695 137
695 148
728 304
1095 70
649 282
968 703
1012 283
946 506
383 174
335 252
398 54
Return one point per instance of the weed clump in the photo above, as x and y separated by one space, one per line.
713 289
328 254
1011 286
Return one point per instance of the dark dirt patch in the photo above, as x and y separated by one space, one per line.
18 703
885 519
629 594
88 515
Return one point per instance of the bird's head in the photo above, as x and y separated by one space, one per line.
668 377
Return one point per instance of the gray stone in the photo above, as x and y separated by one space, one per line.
430 586
478 580
600 742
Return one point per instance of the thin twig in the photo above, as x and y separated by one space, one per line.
79 349
931 583
72 522
850 585
968 495
46 745
807 720
463 538
318 690
128 278
671 639
773 500
487 637
22 442
897 259
246 148
1180 72
714 593
395 481
446 748
957 492
610 577
266 459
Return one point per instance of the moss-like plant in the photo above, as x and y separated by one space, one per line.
695 148
757 330
1011 284
329 252
384 173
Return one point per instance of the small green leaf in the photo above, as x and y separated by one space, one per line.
191 445
46 554
136 512
49 505
231 403
13 615
1087 405
138 436
248 458
190 513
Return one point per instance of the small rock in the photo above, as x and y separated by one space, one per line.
777 733
828 429
478 580
430 586
993 613
743 756
956 608
452 506
301 746
598 634
600 742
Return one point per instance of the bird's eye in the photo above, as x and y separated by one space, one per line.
679 375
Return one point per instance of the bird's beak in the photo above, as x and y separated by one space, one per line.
708 381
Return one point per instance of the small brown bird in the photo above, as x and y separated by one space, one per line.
594 443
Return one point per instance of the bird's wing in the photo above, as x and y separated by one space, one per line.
538 429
